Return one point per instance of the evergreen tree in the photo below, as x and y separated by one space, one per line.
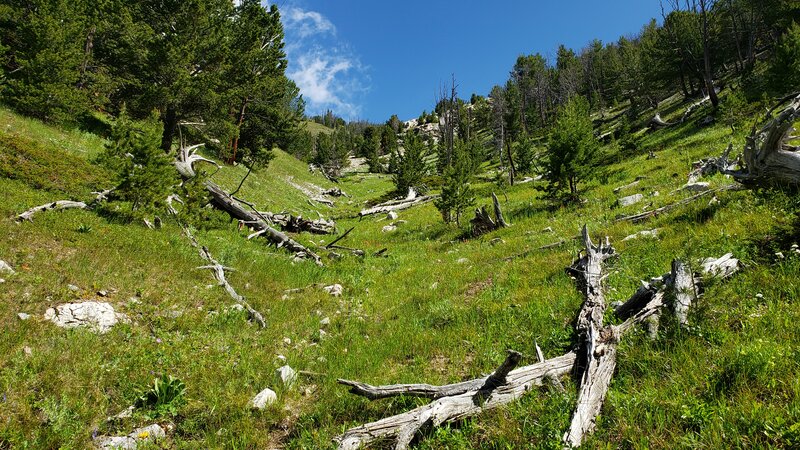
572 148
784 74
409 166
456 195
145 175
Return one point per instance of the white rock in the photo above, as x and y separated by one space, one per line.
631 199
759 295
335 289
150 433
322 334
287 375
23 316
4 267
388 228
264 399
236 307
434 285
73 288
102 293
325 322
392 215
287 341
98 316
462 260
547 230
281 358
643 233
2 280
700 186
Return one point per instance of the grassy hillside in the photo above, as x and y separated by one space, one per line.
436 310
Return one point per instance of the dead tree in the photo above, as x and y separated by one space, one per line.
593 363
396 205
483 222
768 158
296 224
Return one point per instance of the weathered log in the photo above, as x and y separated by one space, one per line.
498 213
54 206
658 122
296 224
629 185
187 157
483 223
597 348
450 408
225 202
396 205
683 290
767 159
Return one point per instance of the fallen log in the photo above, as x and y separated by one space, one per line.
451 408
658 122
225 202
396 205
629 185
54 206
296 224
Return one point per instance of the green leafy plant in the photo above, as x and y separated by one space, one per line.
164 397
83 228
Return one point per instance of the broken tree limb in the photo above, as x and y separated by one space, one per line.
396 205
296 224
218 270
683 290
658 122
629 185
187 157
498 213
223 201
54 206
403 427
340 237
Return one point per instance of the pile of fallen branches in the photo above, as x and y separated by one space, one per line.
397 205
592 363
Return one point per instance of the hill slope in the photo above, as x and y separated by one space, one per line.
437 309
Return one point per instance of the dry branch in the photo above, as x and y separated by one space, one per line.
664 209
218 270
54 206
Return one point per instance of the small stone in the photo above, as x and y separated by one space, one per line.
23 316
27 350
2 280
281 358
98 316
150 433
287 341
388 228
759 295
102 293
630 200
780 255
264 399
392 215
325 322
287 375
462 261
73 288
547 230
434 285
655 194
700 186
5 267
335 289
322 359
322 334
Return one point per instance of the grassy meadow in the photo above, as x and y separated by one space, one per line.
437 309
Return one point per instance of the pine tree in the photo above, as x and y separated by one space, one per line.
409 167
457 195
572 148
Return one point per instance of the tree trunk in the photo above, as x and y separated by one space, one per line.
707 72
170 121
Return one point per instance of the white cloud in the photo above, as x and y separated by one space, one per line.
306 23
328 73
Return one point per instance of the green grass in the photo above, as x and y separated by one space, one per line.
316 128
417 315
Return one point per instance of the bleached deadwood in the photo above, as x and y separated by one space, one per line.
658 122
54 206
721 268
483 223
683 290
396 205
296 224
693 107
225 202
446 409
5 267
218 270
187 157
597 344
629 185
664 209
768 159
334 192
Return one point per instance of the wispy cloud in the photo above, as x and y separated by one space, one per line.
328 73
307 23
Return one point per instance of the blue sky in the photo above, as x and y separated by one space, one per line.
369 59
